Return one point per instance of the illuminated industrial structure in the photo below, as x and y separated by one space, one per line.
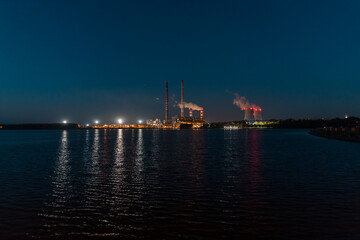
186 122
252 114
252 111
181 121
167 103
175 122
182 98
156 123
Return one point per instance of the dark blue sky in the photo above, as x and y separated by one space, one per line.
86 60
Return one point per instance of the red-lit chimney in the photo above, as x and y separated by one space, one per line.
190 112
202 114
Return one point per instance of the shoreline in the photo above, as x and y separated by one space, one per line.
341 134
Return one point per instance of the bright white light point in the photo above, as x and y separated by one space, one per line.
140 121
87 125
64 122
96 122
120 121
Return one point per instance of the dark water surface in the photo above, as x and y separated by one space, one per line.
154 184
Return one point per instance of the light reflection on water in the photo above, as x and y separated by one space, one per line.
95 157
255 164
130 184
119 166
61 182
139 164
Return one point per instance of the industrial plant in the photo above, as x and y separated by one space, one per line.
174 122
252 111
181 121
191 117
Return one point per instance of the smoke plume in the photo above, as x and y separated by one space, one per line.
191 106
244 104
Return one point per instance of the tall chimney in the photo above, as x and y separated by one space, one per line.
202 114
167 103
182 98
190 112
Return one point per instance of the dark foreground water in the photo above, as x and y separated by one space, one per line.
153 184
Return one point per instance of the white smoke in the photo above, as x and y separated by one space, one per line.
172 98
191 106
244 104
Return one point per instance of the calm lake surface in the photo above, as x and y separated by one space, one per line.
206 184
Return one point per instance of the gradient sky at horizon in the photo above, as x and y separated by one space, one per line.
87 60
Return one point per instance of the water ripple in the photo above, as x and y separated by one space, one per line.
154 184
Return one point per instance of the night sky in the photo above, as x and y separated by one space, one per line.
87 60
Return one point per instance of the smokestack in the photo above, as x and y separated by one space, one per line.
202 114
190 112
182 98
167 103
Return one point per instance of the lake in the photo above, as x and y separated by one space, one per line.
177 184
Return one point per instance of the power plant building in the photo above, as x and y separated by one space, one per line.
183 121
